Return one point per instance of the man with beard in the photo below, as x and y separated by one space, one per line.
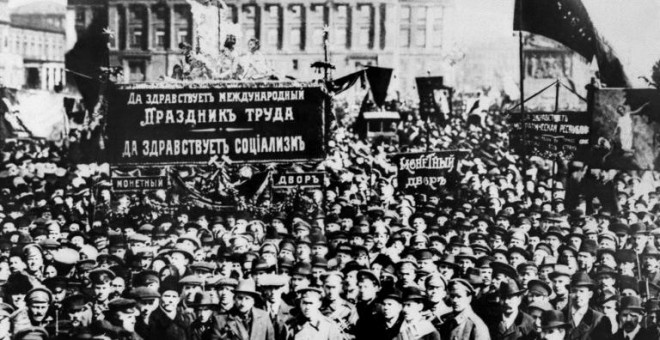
631 315
167 322
147 302
586 323
204 304
462 323
513 324
367 309
272 286
310 323
244 321
120 320
334 307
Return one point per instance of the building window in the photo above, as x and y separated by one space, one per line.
419 19
420 37
160 37
182 36
404 31
436 16
136 39
340 23
137 71
404 37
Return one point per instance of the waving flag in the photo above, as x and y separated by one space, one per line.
568 22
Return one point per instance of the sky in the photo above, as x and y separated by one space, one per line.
16 3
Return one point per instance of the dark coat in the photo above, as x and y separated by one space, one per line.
161 327
231 327
521 329
643 334
284 313
201 330
593 326
368 320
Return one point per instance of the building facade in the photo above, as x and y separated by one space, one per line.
402 34
32 46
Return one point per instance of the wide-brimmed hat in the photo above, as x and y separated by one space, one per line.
207 298
632 303
582 279
248 287
510 288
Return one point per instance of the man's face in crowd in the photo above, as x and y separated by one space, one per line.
77 317
446 271
226 295
407 275
35 262
16 264
204 313
38 311
310 303
243 302
303 251
412 310
560 285
179 260
127 320
630 319
582 296
299 281
102 291
436 293
459 298
367 290
510 304
332 287
391 309
189 291
182 219
585 261
146 307
553 334
169 301
639 242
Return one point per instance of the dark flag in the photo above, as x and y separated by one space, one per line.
568 22
379 81
344 83
253 187
565 21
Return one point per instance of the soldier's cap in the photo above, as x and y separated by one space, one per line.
462 283
97 273
143 293
122 305
338 274
271 280
505 269
203 266
539 287
413 293
303 291
55 284
39 294
31 333
145 277
74 303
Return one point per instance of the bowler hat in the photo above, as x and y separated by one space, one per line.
582 279
412 293
553 319
510 288
631 302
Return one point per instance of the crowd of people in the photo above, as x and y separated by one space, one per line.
513 250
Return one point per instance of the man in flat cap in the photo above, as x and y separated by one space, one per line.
167 322
367 308
462 323
271 287
334 307
436 289
147 301
205 304
31 333
309 323
38 301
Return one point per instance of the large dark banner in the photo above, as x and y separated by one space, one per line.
625 129
426 172
435 99
564 132
184 123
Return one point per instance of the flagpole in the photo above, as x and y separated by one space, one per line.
522 80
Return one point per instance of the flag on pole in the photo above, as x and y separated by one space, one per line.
568 22
379 81
344 83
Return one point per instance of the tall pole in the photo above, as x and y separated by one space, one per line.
522 80
326 57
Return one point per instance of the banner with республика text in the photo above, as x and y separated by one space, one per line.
188 123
